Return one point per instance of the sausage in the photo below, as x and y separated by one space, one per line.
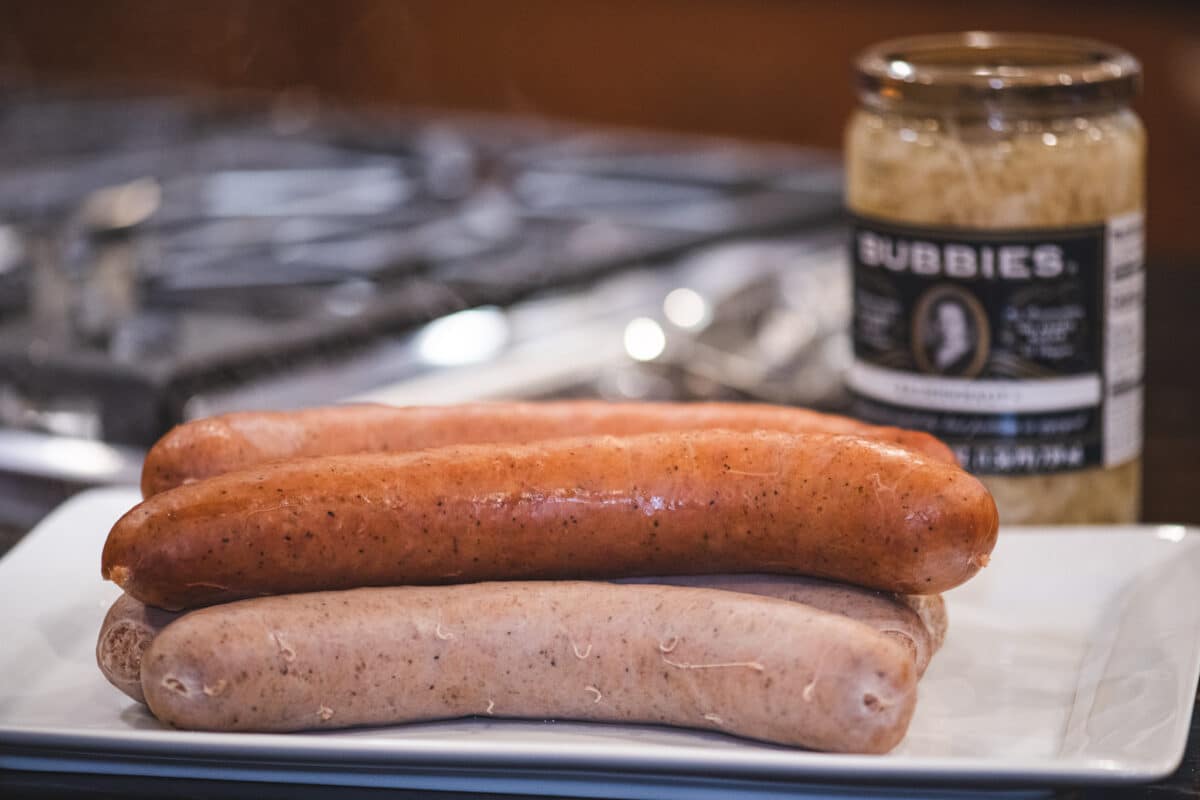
837 507
215 445
130 626
693 502
128 629
931 609
921 634
750 666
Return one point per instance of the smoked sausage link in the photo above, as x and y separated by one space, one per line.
215 445
837 507
751 666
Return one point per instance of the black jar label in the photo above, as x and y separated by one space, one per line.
1022 349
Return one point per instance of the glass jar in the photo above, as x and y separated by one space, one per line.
997 188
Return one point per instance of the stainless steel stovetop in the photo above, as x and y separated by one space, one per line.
161 261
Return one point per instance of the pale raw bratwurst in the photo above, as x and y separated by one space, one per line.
130 626
918 622
230 442
127 631
751 666
838 507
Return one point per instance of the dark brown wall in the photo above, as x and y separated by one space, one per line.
772 69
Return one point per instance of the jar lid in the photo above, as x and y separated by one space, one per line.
977 67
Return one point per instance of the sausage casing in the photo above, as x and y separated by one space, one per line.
127 631
230 442
918 622
130 626
751 666
837 507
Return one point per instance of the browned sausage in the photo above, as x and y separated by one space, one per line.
837 507
128 629
750 666
212 446
921 634
130 626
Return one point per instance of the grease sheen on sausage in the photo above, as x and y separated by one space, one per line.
838 507
215 445
750 666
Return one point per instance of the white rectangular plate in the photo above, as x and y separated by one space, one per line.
1073 658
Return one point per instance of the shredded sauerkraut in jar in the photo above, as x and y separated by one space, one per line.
998 172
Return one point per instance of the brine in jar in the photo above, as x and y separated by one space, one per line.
996 184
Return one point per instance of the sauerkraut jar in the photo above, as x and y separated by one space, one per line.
996 184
